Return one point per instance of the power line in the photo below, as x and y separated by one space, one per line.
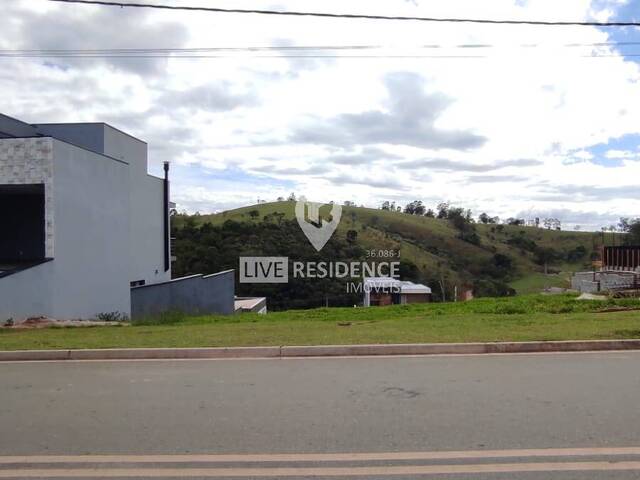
302 51
351 16
286 48
399 56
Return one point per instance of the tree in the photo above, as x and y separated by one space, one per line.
254 214
633 233
500 266
443 210
291 197
429 213
544 256
415 208
486 219
625 224
461 220
469 216
385 205
576 254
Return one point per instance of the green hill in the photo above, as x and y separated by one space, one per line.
492 258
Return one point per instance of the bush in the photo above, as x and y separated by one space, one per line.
112 317
493 288
523 243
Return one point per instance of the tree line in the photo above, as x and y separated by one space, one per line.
444 210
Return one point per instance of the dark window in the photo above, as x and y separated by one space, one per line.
22 225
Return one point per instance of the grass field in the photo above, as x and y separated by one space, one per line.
524 318
536 282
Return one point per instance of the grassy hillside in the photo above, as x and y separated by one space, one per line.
433 246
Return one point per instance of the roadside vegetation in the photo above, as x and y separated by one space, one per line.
521 318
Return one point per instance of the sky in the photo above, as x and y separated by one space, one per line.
526 123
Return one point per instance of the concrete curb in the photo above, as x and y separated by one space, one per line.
459 348
321 350
141 353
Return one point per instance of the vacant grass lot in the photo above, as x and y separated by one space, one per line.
525 318
536 282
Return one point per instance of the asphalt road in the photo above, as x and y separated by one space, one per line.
493 416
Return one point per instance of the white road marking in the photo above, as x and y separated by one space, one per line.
322 457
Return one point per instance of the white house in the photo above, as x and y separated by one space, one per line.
380 291
81 222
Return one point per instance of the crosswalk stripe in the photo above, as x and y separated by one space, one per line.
321 471
320 457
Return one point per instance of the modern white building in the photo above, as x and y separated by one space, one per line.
81 220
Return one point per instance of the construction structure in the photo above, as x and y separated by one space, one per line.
618 272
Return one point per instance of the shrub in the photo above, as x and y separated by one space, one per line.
112 317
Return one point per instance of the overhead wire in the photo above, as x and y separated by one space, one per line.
352 16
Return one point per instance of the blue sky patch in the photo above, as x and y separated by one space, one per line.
629 142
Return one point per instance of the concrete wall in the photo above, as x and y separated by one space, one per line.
146 193
584 282
92 233
89 136
147 231
28 293
89 272
602 281
616 280
194 295
12 127
146 207
124 147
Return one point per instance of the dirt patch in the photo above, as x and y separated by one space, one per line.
45 322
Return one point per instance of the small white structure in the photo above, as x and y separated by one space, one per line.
251 305
380 291
82 220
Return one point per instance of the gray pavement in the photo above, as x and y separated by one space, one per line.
332 405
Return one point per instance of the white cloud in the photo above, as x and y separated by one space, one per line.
502 134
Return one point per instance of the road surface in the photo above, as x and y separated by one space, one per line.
569 416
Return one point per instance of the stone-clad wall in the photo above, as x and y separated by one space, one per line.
28 161
602 281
